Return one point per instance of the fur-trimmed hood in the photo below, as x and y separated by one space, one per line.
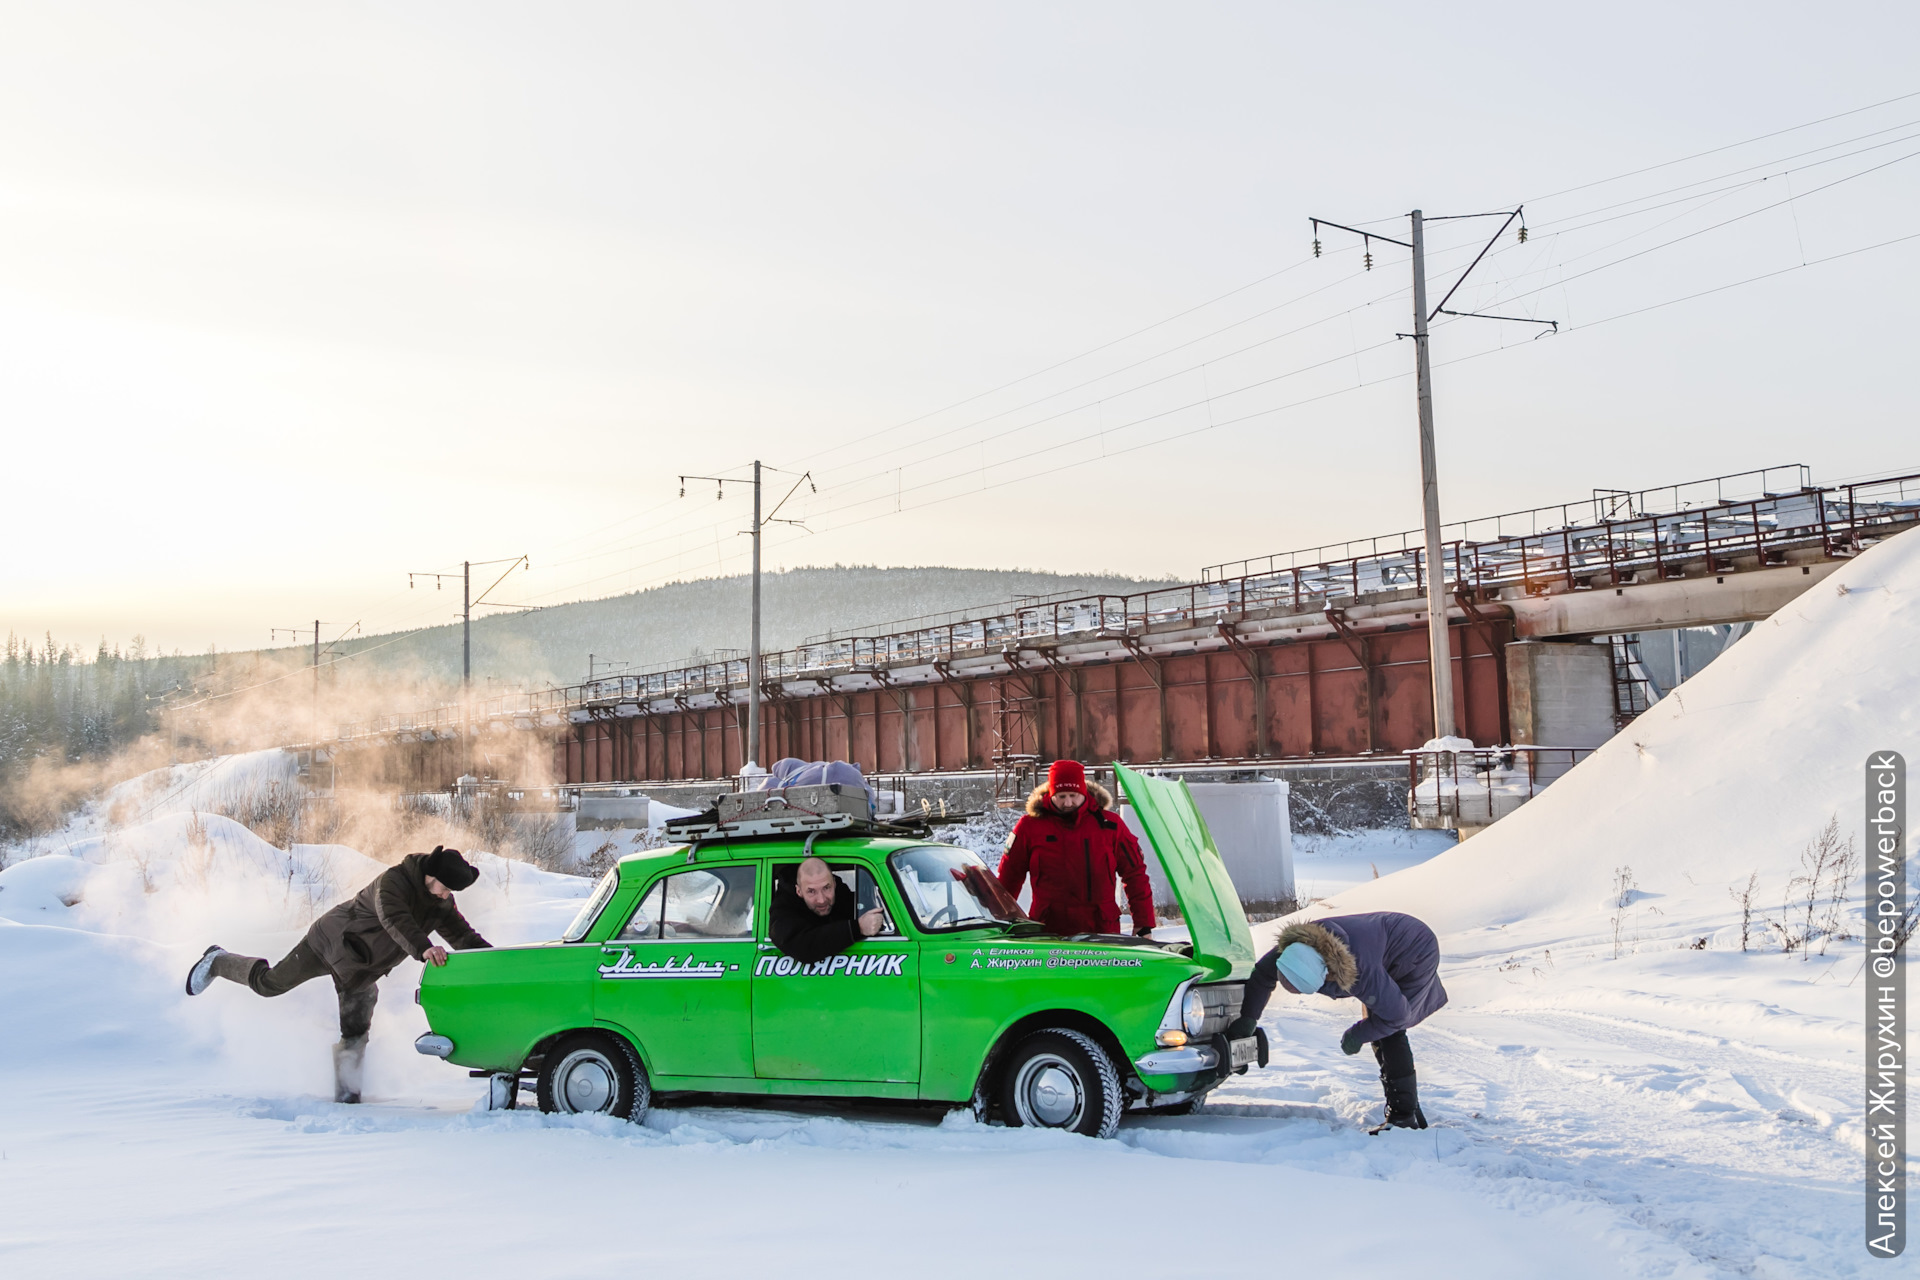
1098 798
1341 969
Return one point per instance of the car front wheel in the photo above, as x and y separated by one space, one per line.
592 1073
1062 1079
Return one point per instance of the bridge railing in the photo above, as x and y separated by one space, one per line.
1604 505
1447 790
1620 540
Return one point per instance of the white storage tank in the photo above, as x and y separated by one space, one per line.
1251 828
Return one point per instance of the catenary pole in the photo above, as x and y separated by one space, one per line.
1440 648
466 667
761 519
753 641
467 602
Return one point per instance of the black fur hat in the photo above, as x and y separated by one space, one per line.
450 869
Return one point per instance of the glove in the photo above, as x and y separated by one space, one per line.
1350 1042
1144 931
1240 1028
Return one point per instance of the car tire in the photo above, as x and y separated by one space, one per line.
1061 1079
593 1073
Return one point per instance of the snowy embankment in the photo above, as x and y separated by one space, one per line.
1607 1029
1608 1099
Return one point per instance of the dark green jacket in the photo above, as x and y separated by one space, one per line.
366 937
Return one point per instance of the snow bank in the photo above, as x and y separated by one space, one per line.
200 785
97 940
230 783
1732 775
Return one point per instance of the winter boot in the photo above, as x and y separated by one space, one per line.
200 977
218 962
1403 1105
348 1055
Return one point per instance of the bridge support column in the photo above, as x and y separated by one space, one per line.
1560 694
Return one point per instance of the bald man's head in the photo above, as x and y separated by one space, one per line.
816 886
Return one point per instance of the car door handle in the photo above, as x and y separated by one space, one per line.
768 946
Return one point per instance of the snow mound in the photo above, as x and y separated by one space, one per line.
200 785
1733 775
96 942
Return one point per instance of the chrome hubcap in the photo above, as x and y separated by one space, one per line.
587 1083
1048 1093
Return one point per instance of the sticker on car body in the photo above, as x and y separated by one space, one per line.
849 966
1003 958
672 967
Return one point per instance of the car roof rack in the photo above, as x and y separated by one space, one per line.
702 827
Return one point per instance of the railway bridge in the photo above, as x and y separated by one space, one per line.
1311 655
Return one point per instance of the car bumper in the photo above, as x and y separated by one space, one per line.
434 1046
1222 1057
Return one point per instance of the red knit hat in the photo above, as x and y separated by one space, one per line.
1066 775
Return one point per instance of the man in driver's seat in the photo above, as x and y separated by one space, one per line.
819 916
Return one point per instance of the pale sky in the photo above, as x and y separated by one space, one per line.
296 299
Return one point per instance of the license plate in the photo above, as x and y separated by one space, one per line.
1244 1052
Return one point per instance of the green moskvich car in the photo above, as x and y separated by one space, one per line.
666 980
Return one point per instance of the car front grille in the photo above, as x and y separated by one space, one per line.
1223 1000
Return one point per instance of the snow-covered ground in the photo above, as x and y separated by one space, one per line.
1609 1098
1326 865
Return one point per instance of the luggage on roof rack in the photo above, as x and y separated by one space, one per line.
830 799
777 821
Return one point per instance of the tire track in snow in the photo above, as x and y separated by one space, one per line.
1737 1156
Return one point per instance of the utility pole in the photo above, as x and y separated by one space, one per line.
1440 648
754 677
753 640
468 602
273 633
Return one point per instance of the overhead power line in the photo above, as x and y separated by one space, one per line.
657 520
1731 146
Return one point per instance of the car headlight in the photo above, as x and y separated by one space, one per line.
1193 1014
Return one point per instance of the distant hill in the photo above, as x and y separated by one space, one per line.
687 622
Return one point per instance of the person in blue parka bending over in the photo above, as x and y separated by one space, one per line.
1387 961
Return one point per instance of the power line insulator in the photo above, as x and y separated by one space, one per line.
1523 233
1316 246
1366 259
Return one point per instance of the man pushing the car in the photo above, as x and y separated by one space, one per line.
358 943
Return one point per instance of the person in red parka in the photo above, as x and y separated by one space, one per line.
1073 843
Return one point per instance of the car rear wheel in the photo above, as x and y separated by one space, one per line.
592 1073
1062 1079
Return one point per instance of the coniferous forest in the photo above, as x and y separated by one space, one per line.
61 706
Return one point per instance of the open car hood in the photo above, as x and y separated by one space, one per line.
1199 879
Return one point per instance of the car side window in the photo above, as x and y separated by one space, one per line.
866 888
645 923
701 905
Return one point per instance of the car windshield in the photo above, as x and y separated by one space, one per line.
950 888
584 921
